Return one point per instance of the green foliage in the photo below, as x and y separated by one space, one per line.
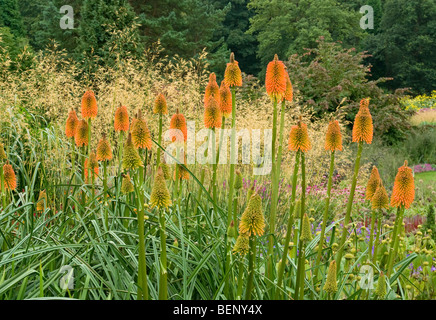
183 27
326 75
288 27
404 46
15 54
10 17
430 222
420 145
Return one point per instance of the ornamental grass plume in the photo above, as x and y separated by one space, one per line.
380 199
82 134
299 138
160 105
403 192
2 153
306 232
373 183
380 291
252 220
275 80
238 180
104 150
212 114
141 136
131 158
89 105
242 245
212 90
10 180
126 184
363 127
232 74
71 124
178 122
333 138
330 285
225 100
121 121
160 196
42 201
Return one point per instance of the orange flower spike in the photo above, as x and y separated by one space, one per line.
380 199
9 178
212 89
373 183
363 127
141 136
299 138
183 173
104 150
160 105
178 121
72 124
275 81
233 75
81 137
121 122
212 114
93 165
289 92
403 193
333 137
225 100
89 105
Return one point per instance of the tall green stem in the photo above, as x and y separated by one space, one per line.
2 186
240 280
142 276
251 259
395 239
105 195
377 238
300 243
159 141
371 235
163 283
232 158
326 210
289 226
349 207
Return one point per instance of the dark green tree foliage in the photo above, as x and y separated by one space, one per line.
108 30
184 27
288 27
329 73
10 17
234 31
405 46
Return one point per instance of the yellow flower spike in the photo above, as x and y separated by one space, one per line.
306 232
72 124
42 201
225 100
10 180
141 136
403 193
299 138
373 183
363 127
160 196
121 122
89 105
104 150
333 139
380 199
160 105
275 80
330 285
380 291
242 245
81 136
212 114
165 169
252 220
131 159
233 75
126 184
